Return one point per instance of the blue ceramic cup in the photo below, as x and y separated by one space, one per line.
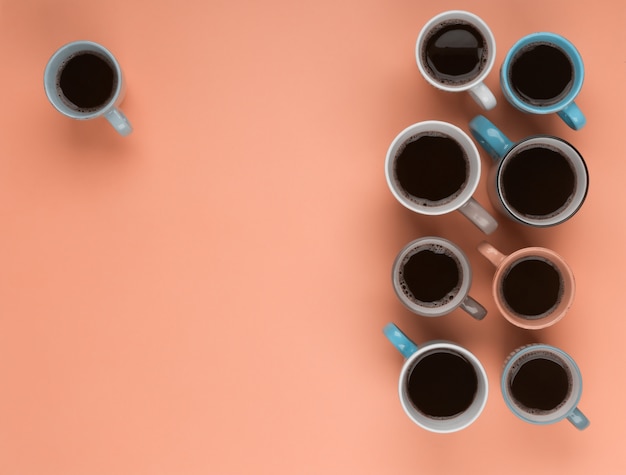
443 387
542 384
539 181
542 74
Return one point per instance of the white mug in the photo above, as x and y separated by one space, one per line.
75 94
443 387
458 194
454 79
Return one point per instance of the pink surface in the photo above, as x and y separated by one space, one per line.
206 296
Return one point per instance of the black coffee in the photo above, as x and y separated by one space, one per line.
431 276
541 74
87 80
442 384
531 287
455 53
431 169
538 181
540 385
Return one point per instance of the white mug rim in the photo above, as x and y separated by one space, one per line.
459 136
475 21
455 423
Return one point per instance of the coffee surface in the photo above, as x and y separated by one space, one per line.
540 384
541 74
455 53
431 169
87 81
431 276
532 287
442 385
538 181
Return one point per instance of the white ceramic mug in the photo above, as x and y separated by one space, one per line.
109 108
472 83
461 197
443 387
432 277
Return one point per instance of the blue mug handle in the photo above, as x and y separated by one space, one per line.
490 137
579 420
402 342
572 116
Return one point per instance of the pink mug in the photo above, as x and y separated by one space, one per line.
533 287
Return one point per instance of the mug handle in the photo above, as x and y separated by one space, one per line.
491 253
483 96
478 215
119 121
495 143
473 308
573 116
402 342
579 420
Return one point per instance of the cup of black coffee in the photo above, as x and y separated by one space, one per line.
532 287
433 168
455 52
542 384
83 80
442 386
542 74
432 277
539 181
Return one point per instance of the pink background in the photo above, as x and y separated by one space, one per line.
206 296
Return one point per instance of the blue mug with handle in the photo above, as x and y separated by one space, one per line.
443 387
542 384
539 181
542 74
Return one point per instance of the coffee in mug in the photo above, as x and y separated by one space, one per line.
432 277
442 386
532 287
543 74
539 181
83 80
542 384
455 51
433 168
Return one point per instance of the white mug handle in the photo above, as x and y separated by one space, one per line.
479 216
119 121
483 96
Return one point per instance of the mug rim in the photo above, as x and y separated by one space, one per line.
52 69
464 287
461 138
561 43
577 162
557 313
475 21
562 412
455 423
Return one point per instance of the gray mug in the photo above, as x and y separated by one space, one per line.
83 81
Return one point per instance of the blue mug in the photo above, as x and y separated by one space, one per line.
443 387
539 181
542 384
542 74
